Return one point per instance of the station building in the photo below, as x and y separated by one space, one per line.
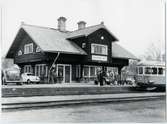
78 53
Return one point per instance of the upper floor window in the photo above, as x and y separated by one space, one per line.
38 49
28 48
99 49
19 53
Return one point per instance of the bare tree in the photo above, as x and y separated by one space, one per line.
153 53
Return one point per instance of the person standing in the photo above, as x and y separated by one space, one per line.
101 78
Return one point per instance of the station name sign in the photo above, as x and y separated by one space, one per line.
99 58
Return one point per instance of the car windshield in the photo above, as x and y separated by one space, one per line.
30 74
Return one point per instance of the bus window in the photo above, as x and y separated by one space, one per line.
160 71
140 70
148 70
154 70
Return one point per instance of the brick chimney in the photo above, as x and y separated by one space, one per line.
62 24
81 25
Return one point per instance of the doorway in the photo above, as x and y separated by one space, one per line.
64 70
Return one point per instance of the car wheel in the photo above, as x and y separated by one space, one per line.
28 81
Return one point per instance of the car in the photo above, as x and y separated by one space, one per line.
30 78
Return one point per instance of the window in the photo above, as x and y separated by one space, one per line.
154 70
19 53
148 70
60 71
41 70
160 71
86 71
28 48
77 71
99 49
83 45
28 68
92 71
140 70
38 49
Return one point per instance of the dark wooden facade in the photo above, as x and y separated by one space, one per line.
68 58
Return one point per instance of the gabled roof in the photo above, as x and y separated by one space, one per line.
120 52
52 40
88 30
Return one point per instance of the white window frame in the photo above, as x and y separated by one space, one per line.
88 71
28 67
19 53
95 71
64 71
38 49
39 66
26 46
100 45
89 66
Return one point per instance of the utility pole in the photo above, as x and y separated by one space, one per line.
53 64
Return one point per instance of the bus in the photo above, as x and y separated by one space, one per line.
151 74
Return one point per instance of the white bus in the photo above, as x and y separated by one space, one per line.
151 74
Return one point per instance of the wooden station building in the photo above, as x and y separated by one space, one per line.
81 51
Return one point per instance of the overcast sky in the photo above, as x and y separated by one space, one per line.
136 23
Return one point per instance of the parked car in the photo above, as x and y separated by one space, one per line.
29 78
11 75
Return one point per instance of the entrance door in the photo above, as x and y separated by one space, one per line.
67 73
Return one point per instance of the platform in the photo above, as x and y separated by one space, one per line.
62 89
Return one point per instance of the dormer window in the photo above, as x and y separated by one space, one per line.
28 48
38 49
83 45
19 53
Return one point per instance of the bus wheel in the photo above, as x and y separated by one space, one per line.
28 81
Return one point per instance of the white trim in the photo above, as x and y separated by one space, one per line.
89 66
26 50
19 53
101 45
64 71
28 67
38 49
39 66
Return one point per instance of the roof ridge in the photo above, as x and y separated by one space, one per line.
88 27
37 26
43 27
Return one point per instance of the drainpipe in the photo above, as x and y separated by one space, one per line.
52 65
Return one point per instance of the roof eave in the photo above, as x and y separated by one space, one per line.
126 58
50 51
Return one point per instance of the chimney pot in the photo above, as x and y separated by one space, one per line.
81 25
102 23
62 23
